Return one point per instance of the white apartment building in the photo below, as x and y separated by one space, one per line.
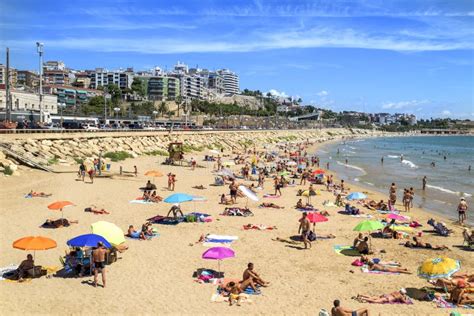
103 77
25 101
231 81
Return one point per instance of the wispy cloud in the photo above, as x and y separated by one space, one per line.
403 104
322 93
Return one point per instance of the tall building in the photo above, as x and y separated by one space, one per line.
82 80
231 81
27 78
55 72
3 75
102 77
72 96
216 82
163 88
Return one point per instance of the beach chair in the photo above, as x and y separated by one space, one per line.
468 241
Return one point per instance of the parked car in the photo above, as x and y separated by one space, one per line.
90 127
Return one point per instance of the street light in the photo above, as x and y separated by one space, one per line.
116 110
154 115
62 105
39 47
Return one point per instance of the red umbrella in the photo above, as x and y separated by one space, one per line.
319 171
316 218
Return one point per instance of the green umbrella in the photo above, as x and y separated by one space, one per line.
367 226
284 173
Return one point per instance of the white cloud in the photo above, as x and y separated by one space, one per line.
276 93
446 113
322 93
403 104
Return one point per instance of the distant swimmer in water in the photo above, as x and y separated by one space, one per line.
381 160
444 157
401 157
338 151
327 165
469 168
424 182
346 161
433 164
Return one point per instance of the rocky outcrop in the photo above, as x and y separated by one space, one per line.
67 150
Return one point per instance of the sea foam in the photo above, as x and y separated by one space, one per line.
409 164
447 190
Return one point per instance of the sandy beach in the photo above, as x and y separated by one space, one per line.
155 277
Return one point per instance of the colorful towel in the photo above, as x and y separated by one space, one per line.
442 303
222 237
258 227
346 251
366 270
362 216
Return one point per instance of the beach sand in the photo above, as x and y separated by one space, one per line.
155 277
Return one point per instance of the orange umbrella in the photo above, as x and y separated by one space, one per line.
59 205
319 171
154 173
34 243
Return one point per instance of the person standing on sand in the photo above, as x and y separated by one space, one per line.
304 229
327 165
393 194
98 256
412 196
91 173
338 310
424 182
135 171
462 210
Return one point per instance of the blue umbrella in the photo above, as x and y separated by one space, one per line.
178 198
356 196
88 240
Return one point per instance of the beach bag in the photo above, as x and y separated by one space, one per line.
323 312
311 236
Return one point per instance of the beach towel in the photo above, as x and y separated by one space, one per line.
271 196
163 220
442 303
219 298
346 251
307 209
362 216
366 270
222 237
137 236
141 201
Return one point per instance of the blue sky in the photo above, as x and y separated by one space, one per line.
391 56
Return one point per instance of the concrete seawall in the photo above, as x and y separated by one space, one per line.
66 149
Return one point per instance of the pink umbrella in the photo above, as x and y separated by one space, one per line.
314 218
397 217
218 253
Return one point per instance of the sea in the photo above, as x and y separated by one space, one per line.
444 160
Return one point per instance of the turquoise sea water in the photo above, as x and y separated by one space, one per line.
448 180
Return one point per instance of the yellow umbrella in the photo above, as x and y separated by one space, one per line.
111 232
401 228
438 268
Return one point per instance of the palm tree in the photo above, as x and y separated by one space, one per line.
163 108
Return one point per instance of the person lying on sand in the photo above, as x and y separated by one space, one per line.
420 244
394 297
132 233
38 194
338 310
63 222
155 198
365 259
199 187
250 273
379 267
462 294
95 210
270 205
324 213
242 285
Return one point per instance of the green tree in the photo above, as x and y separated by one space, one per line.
115 93
96 106
163 108
138 86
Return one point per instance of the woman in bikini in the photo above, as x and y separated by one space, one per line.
379 267
394 297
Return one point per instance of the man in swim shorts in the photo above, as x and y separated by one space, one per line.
304 229
338 310
98 256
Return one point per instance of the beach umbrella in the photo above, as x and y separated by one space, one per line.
318 171
356 196
314 218
219 254
438 268
308 194
178 198
34 243
226 173
59 205
111 232
368 226
284 173
248 193
88 240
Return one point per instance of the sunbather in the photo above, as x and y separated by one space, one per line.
468 237
22 270
38 194
363 246
379 267
95 210
155 198
199 187
338 310
270 205
461 294
365 259
357 240
249 273
440 227
450 284
175 209
394 297
63 222
420 244
132 233
243 285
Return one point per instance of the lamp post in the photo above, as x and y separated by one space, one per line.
154 117
39 47
116 110
62 105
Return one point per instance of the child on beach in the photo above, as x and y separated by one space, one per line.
234 294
